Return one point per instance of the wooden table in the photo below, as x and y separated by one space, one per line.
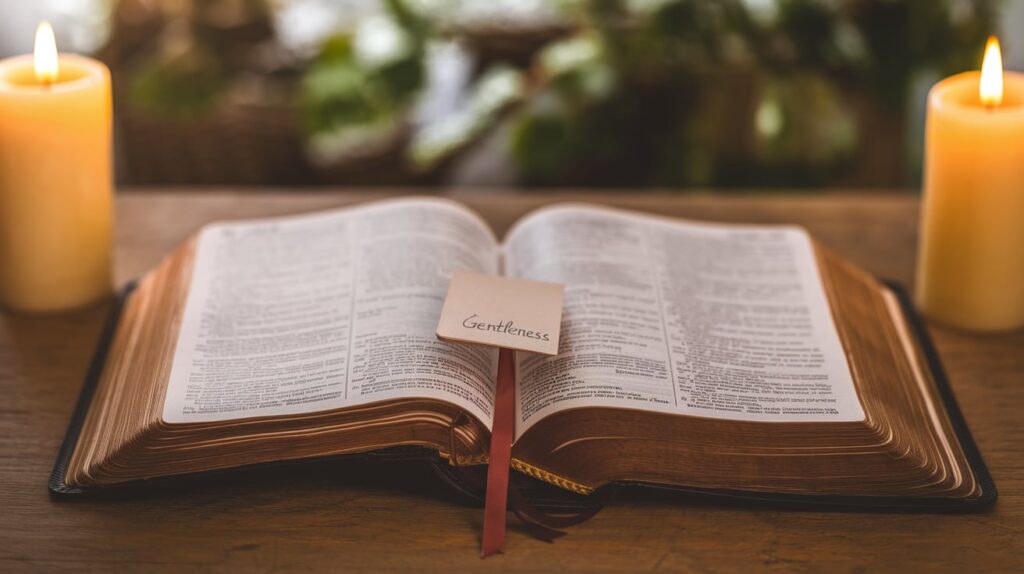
339 520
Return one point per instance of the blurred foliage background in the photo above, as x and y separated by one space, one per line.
662 93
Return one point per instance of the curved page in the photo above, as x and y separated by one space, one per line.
316 312
709 320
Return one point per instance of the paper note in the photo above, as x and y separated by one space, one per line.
502 312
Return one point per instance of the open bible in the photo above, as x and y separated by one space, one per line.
707 357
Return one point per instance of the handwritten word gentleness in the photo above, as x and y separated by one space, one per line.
503 327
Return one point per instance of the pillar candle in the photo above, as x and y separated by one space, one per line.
55 182
971 258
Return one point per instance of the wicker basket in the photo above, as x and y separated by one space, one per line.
241 144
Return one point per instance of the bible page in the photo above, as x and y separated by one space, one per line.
316 312
709 320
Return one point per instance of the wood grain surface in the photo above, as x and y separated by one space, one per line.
390 519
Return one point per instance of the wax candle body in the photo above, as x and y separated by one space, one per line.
55 185
971 258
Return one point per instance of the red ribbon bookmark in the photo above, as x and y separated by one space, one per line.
496 501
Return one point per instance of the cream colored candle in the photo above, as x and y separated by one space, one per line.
971 259
55 180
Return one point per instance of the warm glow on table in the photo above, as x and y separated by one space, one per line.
55 180
971 260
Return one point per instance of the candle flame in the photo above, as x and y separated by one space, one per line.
45 54
991 88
